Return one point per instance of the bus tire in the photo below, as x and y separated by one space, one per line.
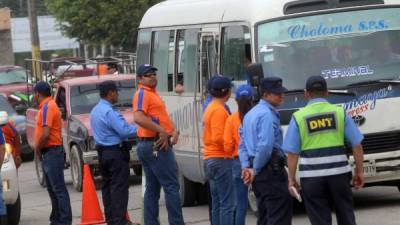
187 191
137 169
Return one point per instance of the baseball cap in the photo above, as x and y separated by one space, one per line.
221 82
273 85
107 86
145 68
244 90
316 83
42 88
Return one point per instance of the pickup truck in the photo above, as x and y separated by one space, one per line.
76 97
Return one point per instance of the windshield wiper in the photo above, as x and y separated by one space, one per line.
330 91
393 81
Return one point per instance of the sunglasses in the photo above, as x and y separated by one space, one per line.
149 74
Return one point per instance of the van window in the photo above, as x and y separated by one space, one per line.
187 48
143 47
162 57
236 53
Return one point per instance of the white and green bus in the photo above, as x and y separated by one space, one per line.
354 44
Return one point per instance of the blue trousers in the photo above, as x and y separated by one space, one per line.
114 164
160 171
219 174
240 192
53 169
3 208
274 201
321 194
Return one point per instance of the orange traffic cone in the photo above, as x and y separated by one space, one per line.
91 212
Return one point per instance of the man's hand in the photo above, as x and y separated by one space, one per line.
248 176
293 183
175 137
358 180
162 142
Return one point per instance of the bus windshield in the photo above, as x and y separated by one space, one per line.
345 48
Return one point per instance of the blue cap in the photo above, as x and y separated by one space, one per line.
316 83
221 82
42 88
244 90
273 85
145 68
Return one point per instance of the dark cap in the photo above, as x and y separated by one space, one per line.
42 88
209 84
273 85
145 68
107 86
221 82
316 83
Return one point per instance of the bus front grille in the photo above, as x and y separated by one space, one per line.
381 142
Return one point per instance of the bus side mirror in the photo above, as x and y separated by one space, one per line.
255 73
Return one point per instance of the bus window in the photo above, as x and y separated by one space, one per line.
162 57
143 47
187 46
236 54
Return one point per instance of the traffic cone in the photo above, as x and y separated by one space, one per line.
91 212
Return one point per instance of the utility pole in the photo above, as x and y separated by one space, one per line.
6 51
36 68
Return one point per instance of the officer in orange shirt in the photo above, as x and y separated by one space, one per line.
244 99
48 145
156 134
217 162
13 138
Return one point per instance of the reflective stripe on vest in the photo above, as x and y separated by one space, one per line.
321 127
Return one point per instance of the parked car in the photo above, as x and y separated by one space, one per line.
76 97
20 122
9 178
13 80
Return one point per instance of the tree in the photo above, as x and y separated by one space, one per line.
110 22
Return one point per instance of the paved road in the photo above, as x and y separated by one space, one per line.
374 206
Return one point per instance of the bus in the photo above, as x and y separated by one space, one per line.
353 44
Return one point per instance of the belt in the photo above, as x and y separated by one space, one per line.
46 149
125 145
105 147
147 138
235 157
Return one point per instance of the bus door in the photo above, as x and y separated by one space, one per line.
208 64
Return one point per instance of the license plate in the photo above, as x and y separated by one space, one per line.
369 169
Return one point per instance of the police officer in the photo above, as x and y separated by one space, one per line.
48 146
110 132
156 134
3 210
262 158
317 134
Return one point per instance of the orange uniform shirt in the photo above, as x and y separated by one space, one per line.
231 134
213 131
150 103
49 115
10 132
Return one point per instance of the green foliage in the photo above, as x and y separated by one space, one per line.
110 22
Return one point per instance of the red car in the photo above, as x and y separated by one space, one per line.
12 79
76 97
